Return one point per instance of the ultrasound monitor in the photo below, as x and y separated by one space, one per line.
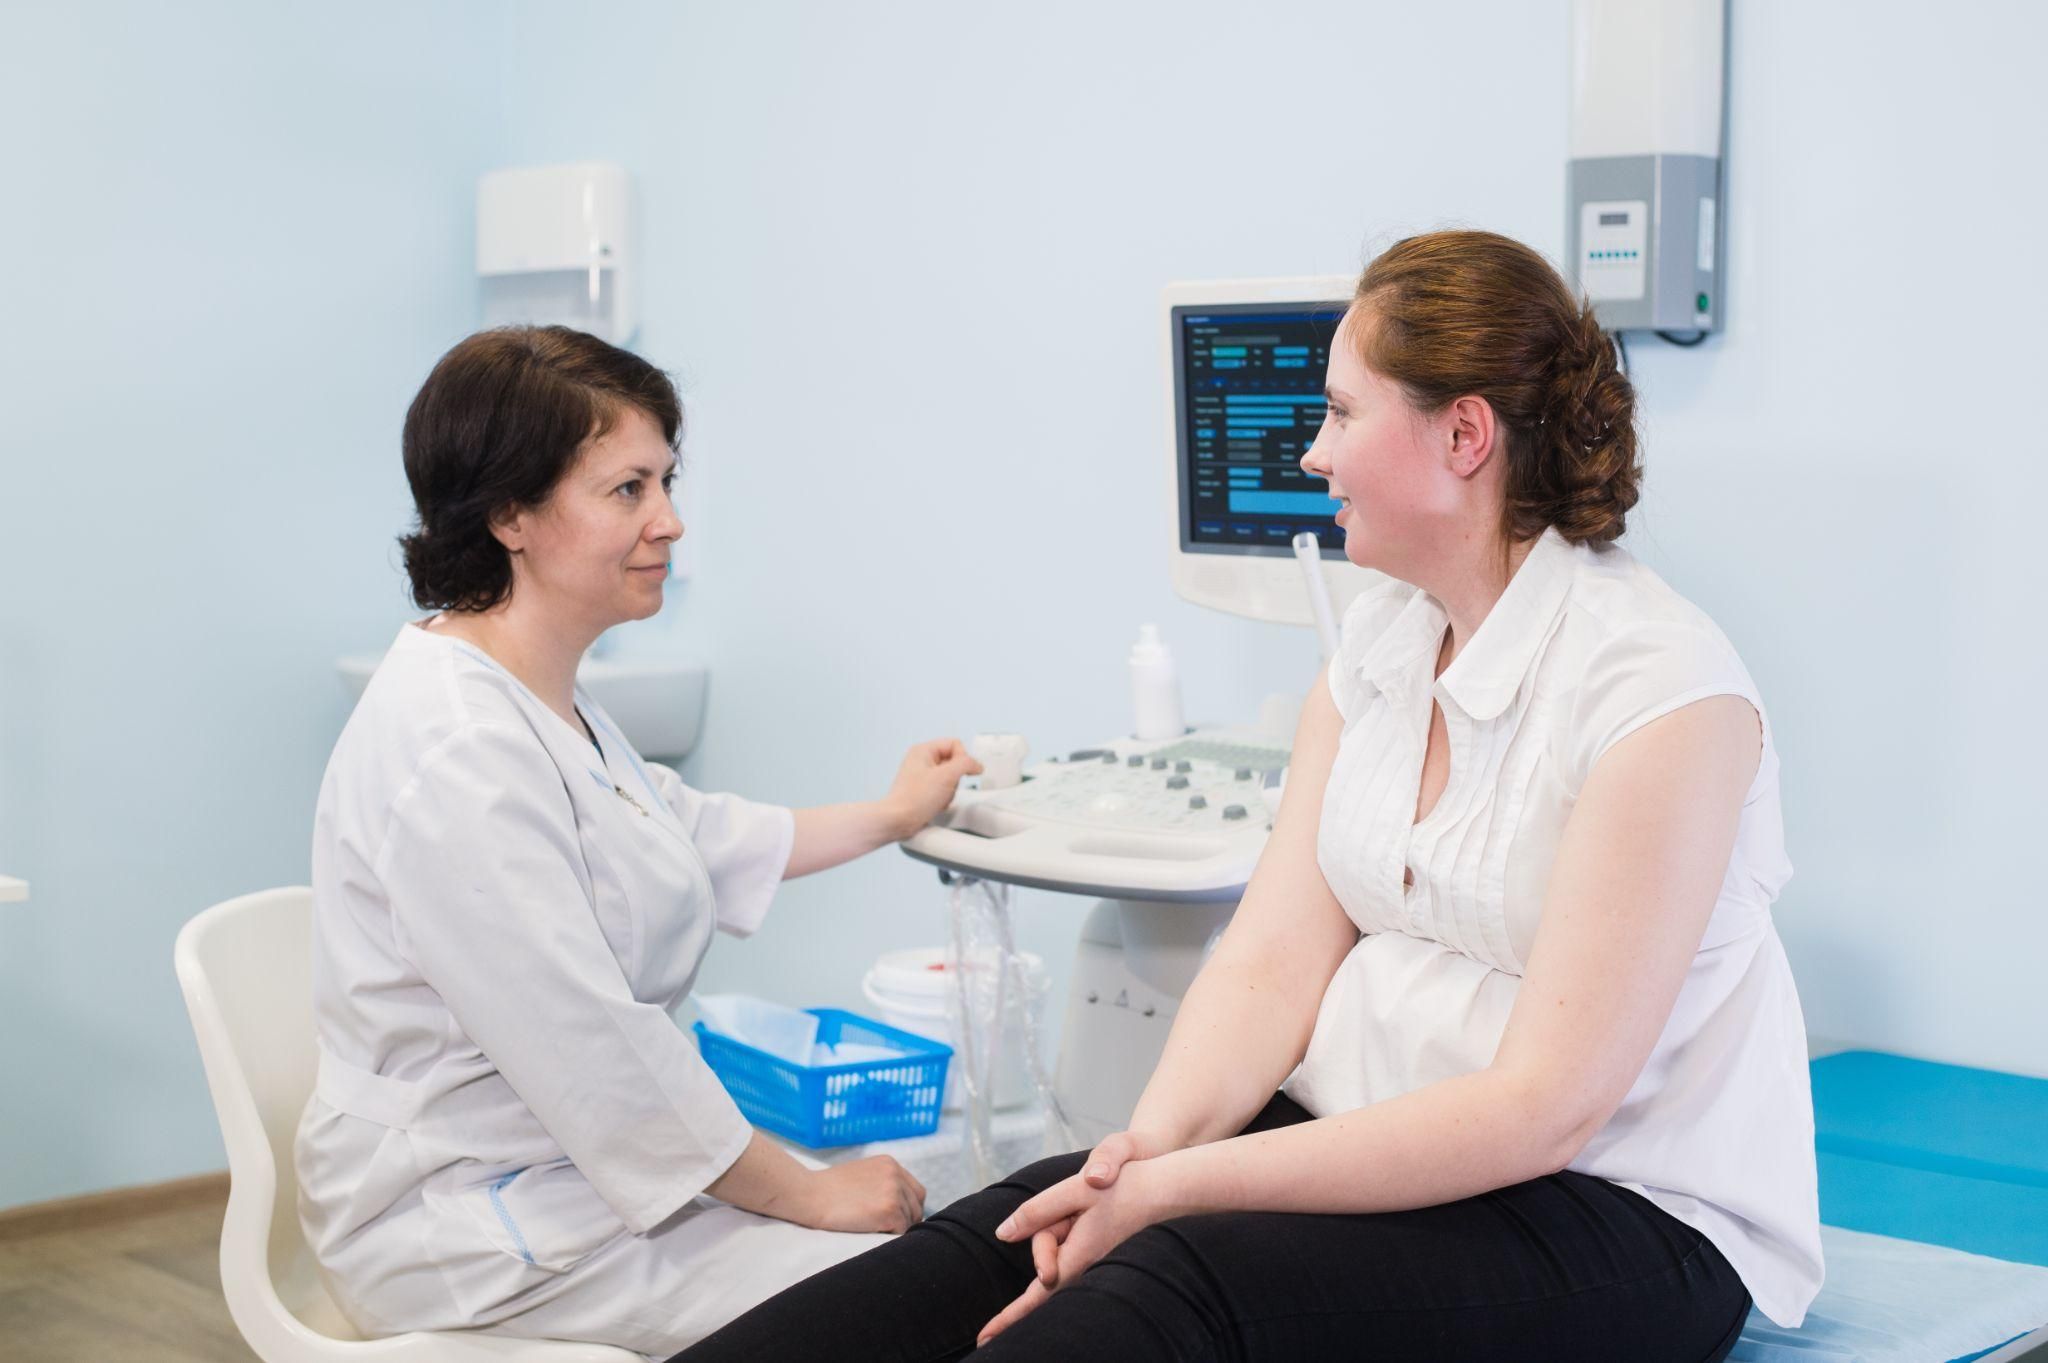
1245 361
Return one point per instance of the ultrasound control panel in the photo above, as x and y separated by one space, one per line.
1182 819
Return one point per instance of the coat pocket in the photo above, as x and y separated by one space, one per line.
542 1216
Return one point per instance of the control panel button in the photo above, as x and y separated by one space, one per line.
1176 783
1233 811
1198 802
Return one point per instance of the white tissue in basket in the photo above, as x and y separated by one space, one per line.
786 1033
852 1053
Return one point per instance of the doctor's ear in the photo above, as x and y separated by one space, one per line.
1473 434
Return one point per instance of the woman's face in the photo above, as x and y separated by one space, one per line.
1396 472
597 551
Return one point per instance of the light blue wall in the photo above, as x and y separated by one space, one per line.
1853 482
235 237
904 260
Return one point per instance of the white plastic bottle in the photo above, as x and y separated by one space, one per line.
1155 688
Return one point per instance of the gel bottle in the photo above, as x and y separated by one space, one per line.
1155 688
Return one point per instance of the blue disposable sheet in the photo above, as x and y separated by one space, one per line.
1941 1153
1934 1195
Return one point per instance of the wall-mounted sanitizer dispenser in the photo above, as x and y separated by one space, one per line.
1643 221
555 244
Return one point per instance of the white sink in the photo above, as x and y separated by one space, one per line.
659 705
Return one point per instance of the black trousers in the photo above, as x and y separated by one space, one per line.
1567 1268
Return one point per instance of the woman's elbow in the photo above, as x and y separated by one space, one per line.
1569 1142
1558 1124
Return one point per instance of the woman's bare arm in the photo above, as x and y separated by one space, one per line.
1245 1021
1636 879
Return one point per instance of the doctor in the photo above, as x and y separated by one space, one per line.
509 1132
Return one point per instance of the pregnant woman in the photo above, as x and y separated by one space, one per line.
1507 959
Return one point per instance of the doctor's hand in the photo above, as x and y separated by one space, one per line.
872 1194
926 782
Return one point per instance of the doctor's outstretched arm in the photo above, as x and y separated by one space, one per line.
829 835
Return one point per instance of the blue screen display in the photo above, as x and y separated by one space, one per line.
1249 393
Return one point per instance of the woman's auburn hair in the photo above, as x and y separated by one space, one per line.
1461 313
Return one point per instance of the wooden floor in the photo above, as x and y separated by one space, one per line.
144 1288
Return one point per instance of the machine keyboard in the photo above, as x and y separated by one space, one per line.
1232 755
1178 789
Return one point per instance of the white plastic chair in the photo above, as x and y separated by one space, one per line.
246 970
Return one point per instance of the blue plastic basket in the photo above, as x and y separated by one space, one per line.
827 1105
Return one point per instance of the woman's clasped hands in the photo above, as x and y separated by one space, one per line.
1123 1188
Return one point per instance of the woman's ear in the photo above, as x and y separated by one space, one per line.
508 527
1473 433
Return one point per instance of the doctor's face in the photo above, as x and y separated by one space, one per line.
597 550
1382 459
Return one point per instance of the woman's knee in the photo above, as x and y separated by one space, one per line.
988 1208
1035 1178
1176 1251
1192 1256
1152 1296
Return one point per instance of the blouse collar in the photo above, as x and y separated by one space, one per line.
1487 673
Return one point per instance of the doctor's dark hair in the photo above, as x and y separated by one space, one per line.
496 426
1455 314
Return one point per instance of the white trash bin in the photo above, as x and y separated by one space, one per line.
914 990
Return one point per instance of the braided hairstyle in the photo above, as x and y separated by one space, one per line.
1455 314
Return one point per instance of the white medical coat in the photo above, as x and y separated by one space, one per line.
509 1130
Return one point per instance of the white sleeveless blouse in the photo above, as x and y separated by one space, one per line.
1584 647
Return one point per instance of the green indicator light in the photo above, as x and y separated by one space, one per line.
1700 303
